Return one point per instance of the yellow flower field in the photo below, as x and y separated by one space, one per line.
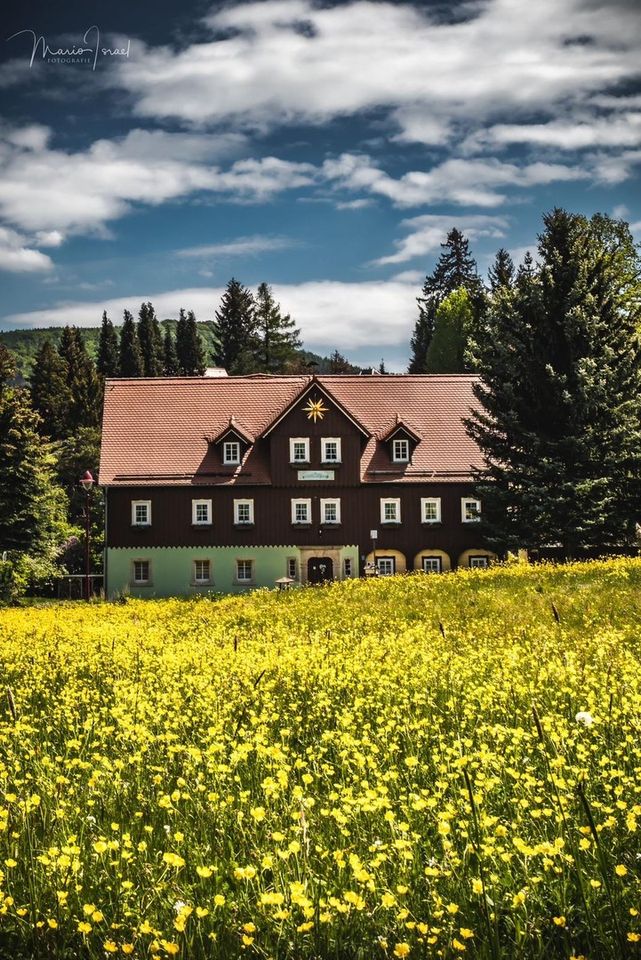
422 766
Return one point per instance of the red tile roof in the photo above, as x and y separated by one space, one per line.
158 431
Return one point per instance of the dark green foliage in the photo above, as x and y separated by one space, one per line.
151 342
7 367
561 398
340 364
73 456
277 337
170 357
130 353
447 352
51 392
86 389
107 360
235 329
455 268
501 274
189 348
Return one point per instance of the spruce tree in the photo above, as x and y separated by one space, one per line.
447 352
83 380
150 339
340 364
107 359
277 337
235 329
189 348
559 422
51 395
455 268
170 357
7 367
130 355
501 273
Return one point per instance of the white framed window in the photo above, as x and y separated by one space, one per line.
479 562
330 511
201 513
347 567
390 510
432 564
400 451
299 449
430 509
301 511
244 571
231 452
141 513
243 511
386 566
292 568
470 510
331 449
202 571
141 572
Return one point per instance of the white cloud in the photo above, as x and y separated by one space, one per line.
49 238
16 257
574 133
428 232
372 314
242 247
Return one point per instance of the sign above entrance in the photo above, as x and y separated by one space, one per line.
316 474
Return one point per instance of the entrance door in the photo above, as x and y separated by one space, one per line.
319 569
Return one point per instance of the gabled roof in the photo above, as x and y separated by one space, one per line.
320 387
158 431
236 428
401 426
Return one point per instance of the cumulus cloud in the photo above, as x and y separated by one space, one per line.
426 233
17 257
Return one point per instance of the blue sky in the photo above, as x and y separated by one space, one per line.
324 147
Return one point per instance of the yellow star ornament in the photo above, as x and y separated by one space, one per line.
315 410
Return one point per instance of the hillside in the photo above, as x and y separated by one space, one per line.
422 766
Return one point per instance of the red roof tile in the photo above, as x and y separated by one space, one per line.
158 431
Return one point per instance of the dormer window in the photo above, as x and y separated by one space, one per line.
400 451
299 450
231 452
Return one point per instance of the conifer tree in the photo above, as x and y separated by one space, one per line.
447 352
83 380
340 364
170 357
559 422
455 268
277 337
51 395
150 339
7 367
235 329
107 359
501 273
130 355
189 348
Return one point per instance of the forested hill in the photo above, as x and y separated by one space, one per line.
24 344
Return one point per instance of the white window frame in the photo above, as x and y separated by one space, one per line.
324 442
386 560
292 447
250 578
432 558
335 501
465 502
437 503
195 504
235 458
243 503
199 581
134 520
479 562
308 503
291 568
140 583
405 458
397 503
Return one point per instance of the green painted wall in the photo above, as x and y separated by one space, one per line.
172 568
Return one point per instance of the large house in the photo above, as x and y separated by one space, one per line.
230 483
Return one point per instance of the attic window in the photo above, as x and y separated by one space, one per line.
231 452
400 451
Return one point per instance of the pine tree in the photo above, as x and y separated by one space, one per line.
170 357
278 339
130 355
150 339
7 367
83 380
455 268
447 352
51 392
235 329
501 273
33 525
189 348
560 419
107 359
340 364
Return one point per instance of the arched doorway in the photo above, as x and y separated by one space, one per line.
320 569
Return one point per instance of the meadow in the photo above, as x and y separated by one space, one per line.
421 766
